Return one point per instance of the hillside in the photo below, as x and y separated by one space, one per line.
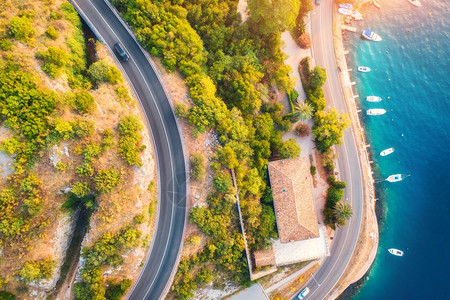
72 140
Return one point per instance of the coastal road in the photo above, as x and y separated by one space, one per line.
158 270
329 273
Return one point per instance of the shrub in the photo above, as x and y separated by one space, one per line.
289 149
304 41
313 170
81 189
5 45
222 182
197 166
130 139
138 219
84 102
102 71
334 195
181 110
63 129
37 270
122 94
52 33
302 130
106 180
54 59
21 29
83 127
116 291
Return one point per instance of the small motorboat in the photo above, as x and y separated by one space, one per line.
373 99
415 3
345 11
364 69
371 36
346 5
376 112
387 151
396 252
395 178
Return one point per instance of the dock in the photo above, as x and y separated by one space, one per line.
348 28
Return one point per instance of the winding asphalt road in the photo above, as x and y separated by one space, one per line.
159 268
329 273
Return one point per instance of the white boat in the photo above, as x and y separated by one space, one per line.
364 69
344 11
376 112
346 5
373 99
394 251
415 3
395 178
371 36
387 151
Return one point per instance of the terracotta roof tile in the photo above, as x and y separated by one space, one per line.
293 199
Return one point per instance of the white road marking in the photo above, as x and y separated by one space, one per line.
165 133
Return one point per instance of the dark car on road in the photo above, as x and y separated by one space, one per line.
123 54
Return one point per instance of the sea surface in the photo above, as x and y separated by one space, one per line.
411 72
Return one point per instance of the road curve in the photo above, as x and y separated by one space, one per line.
331 270
159 268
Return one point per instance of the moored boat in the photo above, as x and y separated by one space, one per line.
376 112
364 69
373 99
345 11
387 151
395 178
371 36
396 252
415 3
346 5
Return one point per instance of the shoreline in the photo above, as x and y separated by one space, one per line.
367 245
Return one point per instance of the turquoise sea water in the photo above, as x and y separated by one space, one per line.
411 67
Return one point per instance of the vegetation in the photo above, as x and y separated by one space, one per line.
104 252
84 102
302 130
22 29
328 129
106 180
198 166
37 270
304 41
101 71
130 140
289 149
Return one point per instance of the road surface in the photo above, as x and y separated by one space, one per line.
156 274
349 165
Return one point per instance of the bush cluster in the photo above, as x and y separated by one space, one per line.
130 140
37 270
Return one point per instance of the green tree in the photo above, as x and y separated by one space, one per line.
342 212
273 16
289 149
222 182
328 129
281 77
317 77
54 59
334 195
316 99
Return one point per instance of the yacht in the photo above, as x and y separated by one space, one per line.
376 112
387 151
371 36
415 3
395 178
394 251
364 69
344 11
373 99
